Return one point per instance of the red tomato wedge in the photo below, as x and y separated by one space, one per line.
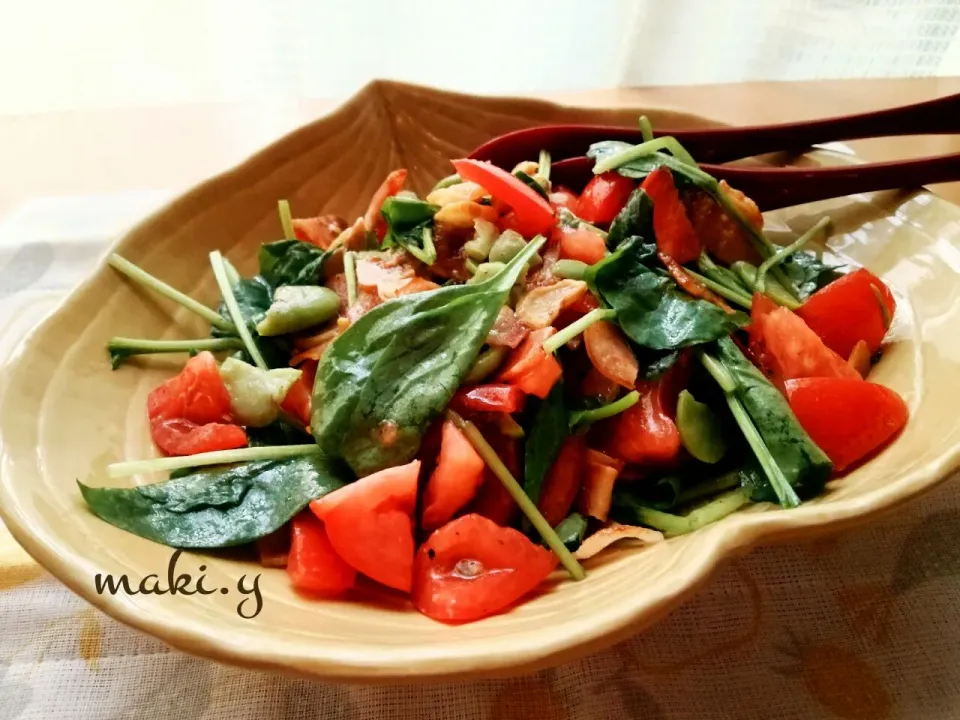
581 244
197 394
370 523
493 501
534 214
849 310
530 367
646 432
561 197
604 197
676 237
455 480
320 231
490 398
848 419
610 353
372 221
313 565
792 350
176 436
472 568
563 481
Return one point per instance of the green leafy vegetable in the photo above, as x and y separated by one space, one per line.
685 172
548 429
803 464
409 225
571 530
809 274
592 415
292 262
396 368
218 507
650 308
121 348
636 218
278 433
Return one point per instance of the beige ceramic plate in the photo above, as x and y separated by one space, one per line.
64 414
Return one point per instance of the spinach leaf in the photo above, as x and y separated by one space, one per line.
292 262
531 183
548 430
409 224
804 465
254 296
383 380
653 364
277 433
218 507
808 273
636 218
572 530
650 307
643 166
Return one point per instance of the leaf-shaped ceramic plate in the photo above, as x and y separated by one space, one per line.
64 414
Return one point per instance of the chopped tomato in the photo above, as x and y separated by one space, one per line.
604 197
370 523
610 353
313 564
561 197
647 432
197 394
455 480
563 481
472 568
534 215
671 226
372 221
849 310
507 330
541 378
848 419
581 244
490 398
493 501
598 386
859 358
320 231
532 368
177 436
789 349
720 234
585 304
596 493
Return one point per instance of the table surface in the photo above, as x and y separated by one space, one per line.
849 627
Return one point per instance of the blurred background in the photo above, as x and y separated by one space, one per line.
69 55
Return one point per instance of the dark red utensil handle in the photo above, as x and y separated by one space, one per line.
773 188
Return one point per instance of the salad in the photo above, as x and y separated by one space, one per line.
456 393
